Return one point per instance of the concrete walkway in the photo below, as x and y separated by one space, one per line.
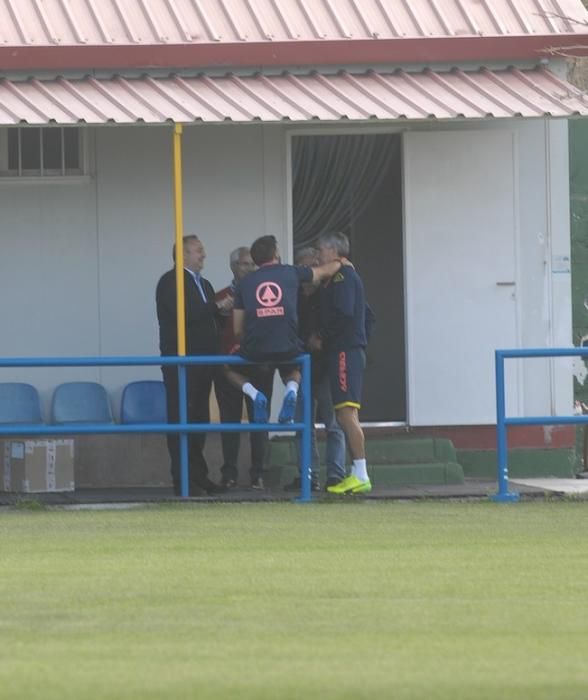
471 489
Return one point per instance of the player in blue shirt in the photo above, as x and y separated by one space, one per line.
346 321
265 319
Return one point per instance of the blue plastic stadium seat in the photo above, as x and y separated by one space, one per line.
19 403
81 402
143 402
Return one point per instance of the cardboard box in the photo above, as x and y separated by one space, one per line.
38 466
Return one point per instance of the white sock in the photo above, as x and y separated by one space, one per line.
359 469
249 390
292 386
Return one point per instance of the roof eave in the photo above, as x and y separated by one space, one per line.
294 53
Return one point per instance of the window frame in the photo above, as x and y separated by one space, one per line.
53 176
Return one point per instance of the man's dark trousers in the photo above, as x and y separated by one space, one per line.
230 401
199 382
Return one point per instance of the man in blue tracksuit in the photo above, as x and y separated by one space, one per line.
346 321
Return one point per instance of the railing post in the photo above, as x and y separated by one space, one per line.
503 495
305 465
183 412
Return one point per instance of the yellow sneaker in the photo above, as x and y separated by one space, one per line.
350 485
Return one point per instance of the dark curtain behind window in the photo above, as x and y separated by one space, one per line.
334 180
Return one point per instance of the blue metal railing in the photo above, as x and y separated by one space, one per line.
504 495
182 427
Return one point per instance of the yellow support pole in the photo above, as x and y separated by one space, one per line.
179 218
180 306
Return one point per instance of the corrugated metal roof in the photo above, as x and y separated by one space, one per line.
288 97
108 22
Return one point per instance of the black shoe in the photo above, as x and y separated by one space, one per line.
229 483
210 488
296 485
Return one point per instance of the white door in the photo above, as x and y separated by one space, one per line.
460 223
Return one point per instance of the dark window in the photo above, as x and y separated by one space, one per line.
30 149
46 151
52 142
71 140
13 149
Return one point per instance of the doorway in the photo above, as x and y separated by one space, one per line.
353 184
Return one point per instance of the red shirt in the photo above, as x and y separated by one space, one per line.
229 344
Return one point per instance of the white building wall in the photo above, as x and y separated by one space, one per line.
79 263
49 277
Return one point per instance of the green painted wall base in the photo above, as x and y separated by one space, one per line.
522 463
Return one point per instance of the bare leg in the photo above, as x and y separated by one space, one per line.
358 481
348 419
291 375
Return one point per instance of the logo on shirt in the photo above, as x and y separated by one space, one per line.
343 371
269 295
338 277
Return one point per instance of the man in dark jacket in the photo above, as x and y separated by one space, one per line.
202 338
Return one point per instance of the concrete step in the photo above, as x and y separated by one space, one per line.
392 450
388 475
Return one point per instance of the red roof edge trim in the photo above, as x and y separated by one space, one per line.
298 53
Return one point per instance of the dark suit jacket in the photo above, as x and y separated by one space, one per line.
202 331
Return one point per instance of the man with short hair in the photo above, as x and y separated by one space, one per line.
230 399
265 321
202 338
309 323
343 336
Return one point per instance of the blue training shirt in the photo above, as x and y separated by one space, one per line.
343 311
269 297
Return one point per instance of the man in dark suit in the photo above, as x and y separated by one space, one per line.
202 338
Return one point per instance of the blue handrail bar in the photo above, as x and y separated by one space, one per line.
128 361
504 495
108 428
182 427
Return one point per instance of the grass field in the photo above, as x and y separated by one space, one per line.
435 600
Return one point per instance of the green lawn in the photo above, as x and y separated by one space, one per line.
432 600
